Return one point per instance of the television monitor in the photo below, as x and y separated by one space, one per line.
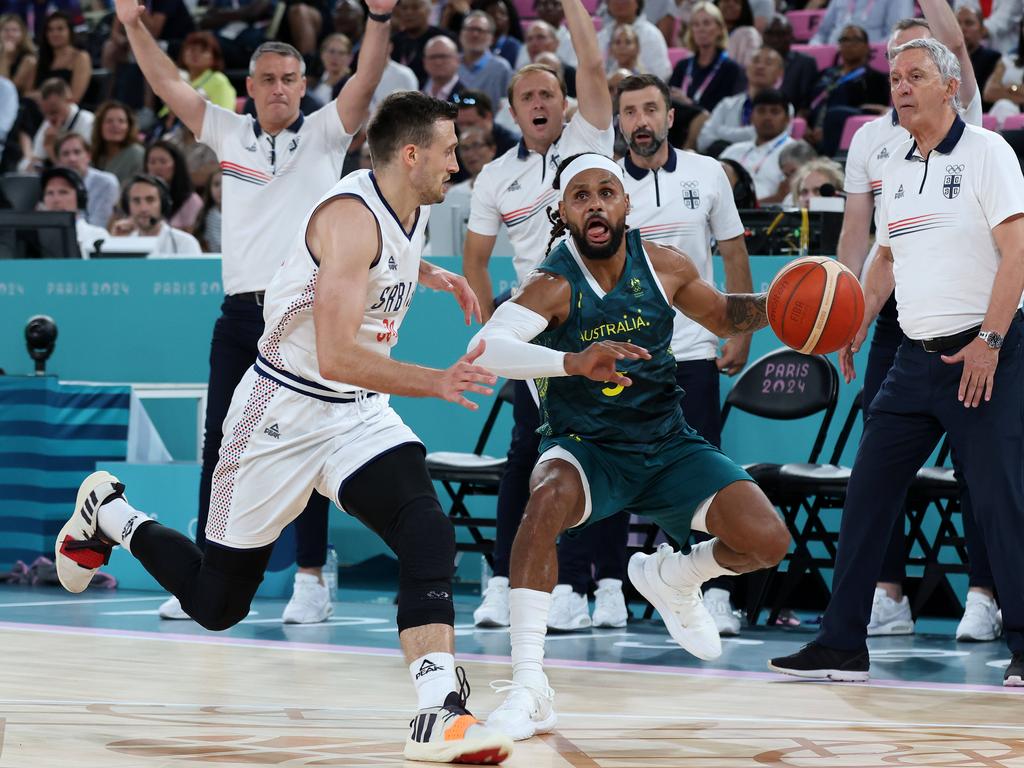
38 235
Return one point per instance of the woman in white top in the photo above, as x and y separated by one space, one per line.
1005 86
624 50
336 56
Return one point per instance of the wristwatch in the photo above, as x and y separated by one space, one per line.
991 338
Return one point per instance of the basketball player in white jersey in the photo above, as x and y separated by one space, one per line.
869 152
313 413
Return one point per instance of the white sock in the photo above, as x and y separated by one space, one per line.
118 521
528 613
434 678
695 568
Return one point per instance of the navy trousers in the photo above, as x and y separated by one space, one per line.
884 343
915 405
232 353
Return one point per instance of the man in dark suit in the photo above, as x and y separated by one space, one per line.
801 69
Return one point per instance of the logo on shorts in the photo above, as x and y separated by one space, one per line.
899 193
427 667
273 431
951 184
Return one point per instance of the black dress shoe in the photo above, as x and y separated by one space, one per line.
816 662
1014 675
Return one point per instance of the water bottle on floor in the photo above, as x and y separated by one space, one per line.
331 572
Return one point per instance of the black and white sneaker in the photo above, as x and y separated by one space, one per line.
816 662
450 734
1014 675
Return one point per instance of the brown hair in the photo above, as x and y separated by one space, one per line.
103 150
207 41
529 69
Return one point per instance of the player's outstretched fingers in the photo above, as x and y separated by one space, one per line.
629 351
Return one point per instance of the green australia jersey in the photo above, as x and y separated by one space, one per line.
635 311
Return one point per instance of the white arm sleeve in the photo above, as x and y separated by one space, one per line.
508 351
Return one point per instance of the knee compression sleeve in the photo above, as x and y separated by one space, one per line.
394 497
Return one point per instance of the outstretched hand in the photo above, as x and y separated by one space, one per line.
129 12
381 6
597 362
464 376
443 280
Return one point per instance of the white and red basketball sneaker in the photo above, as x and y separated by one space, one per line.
80 549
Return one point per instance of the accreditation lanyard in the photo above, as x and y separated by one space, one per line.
858 72
707 79
771 150
851 9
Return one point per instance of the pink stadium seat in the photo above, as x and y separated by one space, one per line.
797 127
1013 123
825 55
879 58
804 24
675 55
598 23
525 8
989 122
591 6
850 127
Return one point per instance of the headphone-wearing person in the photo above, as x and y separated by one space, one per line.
62 189
148 202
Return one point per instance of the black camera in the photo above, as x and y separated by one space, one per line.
40 338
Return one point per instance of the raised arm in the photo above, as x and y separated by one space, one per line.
338 308
595 102
354 99
161 73
946 29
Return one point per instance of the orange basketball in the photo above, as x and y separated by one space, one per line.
815 305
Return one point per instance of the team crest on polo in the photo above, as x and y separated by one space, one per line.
691 194
951 184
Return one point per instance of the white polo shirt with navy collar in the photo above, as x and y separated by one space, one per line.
270 183
937 214
515 190
684 204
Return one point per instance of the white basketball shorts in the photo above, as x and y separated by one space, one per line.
279 445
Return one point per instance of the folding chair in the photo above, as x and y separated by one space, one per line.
472 474
22 190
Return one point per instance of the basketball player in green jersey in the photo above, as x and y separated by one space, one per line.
613 436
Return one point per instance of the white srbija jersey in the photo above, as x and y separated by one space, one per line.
684 204
287 349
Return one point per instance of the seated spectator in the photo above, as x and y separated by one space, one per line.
481 70
201 57
395 77
240 26
849 88
564 71
18 57
411 21
744 39
476 149
208 223
441 59
801 69
508 34
8 113
60 115
877 18
145 198
302 24
709 75
336 58
73 152
165 161
1005 86
350 21
1001 24
551 12
760 156
661 13
59 58
115 143
730 120
813 176
794 156
62 190
983 58
475 110
653 50
624 50
36 13
541 39
744 195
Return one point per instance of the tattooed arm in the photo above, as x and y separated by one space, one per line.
724 314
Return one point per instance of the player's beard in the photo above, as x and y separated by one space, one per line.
599 252
652 147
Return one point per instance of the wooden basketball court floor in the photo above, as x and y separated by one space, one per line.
98 680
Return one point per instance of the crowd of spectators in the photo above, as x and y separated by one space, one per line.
743 87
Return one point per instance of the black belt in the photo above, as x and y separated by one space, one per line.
253 297
946 343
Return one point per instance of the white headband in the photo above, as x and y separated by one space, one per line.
588 162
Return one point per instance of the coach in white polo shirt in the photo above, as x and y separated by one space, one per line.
684 200
951 242
515 190
872 146
275 168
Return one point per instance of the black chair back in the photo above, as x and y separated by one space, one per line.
22 190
